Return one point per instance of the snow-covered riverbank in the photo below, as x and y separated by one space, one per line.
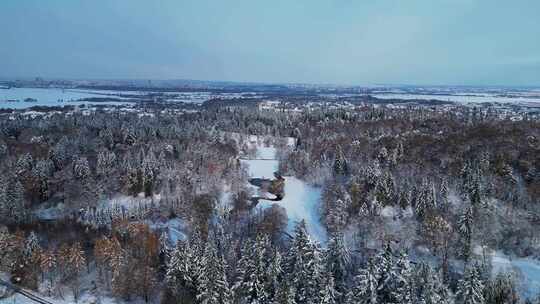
301 201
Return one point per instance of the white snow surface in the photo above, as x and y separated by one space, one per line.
528 271
468 98
261 168
175 228
85 298
301 201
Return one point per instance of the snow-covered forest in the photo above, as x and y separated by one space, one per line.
364 204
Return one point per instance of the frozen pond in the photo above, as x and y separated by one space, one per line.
14 98
301 201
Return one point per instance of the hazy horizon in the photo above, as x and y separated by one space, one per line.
342 42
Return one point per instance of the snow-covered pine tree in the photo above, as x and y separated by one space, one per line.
337 262
275 275
48 266
365 288
382 156
285 294
4 204
405 199
336 217
425 200
385 274
465 226
304 266
250 287
81 168
150 172
470 287
328 293
75 263
372 174
401 281
213 285
385 189
15 203
3 149
182 270
340 163
105 162
24 164
444 191
31 245
41 172
429 287
165 244
502 289
260 276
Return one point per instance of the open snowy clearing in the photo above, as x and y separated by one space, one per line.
527 269
301 201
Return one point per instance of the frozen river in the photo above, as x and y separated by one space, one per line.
14 98
301 201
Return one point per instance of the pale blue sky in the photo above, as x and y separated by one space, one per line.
318 41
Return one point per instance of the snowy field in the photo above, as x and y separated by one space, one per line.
172 96
481 98
301 201
46 97
13 98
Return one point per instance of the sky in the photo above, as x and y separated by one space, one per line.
352 42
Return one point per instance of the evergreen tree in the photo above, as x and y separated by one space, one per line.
183 270
405 199
328 294
304 266
444 192
470 287
14 202
81 168
385 189
385 274
285 294
425 201
275 275
337 260
105 163
336 218
429 286
401 281
213 286
465 226
340 163
501 290
31 245
250 287
366 284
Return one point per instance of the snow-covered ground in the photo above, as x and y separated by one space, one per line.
85 299
527 269
301 201
478 98
47 97
175 229
13 98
